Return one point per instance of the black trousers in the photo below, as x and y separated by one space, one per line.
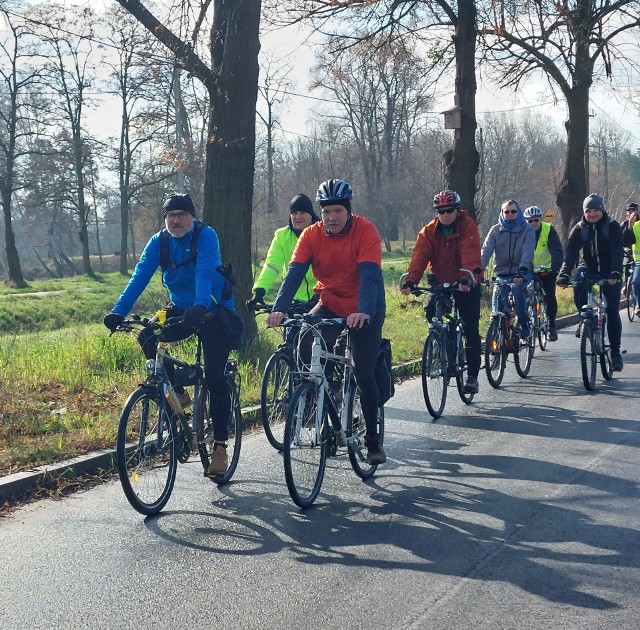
215 351
548 283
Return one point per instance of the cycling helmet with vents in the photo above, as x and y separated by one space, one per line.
334 191
532 212
446 199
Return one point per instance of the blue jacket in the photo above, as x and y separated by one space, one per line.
194 284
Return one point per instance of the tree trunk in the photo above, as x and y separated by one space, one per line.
231 143
464 162
573 188
13 260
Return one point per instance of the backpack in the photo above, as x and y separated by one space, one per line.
225 270
383 373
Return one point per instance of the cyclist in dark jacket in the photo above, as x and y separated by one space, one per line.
597 240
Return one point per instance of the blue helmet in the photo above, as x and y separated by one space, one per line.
334 191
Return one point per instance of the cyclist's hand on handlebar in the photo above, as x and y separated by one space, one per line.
407 287
614 278
563 280
193 315
112 321
257 299
520 276
357 320
275 318
464 285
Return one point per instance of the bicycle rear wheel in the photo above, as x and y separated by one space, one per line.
523 350
434 374
542 323
462 369
277 387
235 427
495 356
588 355
356 430
632 302
305 445
606 367
146 451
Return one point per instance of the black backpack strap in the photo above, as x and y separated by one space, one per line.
165 259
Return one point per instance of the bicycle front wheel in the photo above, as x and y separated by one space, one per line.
306 438
434 374
606 366
588 356
495 356
277 387
523 351
632 302
146 451
356 429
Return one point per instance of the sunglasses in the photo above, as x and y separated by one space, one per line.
533 220
510 212
447 210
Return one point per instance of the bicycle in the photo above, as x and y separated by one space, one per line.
538 299
594 342
309 436
630 293
279 377
154 432
444 351
503 338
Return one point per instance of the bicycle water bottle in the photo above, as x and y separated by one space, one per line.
172 398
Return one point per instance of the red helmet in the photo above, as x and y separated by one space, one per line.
446 199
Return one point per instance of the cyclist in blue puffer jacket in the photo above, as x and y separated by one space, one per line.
195 287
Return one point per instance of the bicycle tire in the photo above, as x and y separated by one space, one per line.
462 369
305 447
146 451
356 430
495 356
434 374
606 365
275 394
631 299
523 352
542 323
206 440
587 356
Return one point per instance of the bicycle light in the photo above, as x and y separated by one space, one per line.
151 367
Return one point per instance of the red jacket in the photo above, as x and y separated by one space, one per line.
445 256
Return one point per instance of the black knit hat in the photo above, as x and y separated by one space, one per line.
179 202
594 200
302 203
632 205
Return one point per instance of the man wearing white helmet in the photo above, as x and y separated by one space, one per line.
547 260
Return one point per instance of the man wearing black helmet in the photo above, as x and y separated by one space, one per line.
345 253
195 287
284 242
599 238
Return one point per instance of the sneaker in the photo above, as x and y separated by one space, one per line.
616 361
553 334
638 312
578 330
184 399
471 385
375 452
219 460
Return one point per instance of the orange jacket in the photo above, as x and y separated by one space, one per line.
445 256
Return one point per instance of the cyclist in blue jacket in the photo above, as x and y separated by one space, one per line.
195 287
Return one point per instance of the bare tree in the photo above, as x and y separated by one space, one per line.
570 44
231 81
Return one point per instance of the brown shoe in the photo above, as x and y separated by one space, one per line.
219 460
184 399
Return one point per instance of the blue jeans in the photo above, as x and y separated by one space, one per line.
611 301
519 296
636 280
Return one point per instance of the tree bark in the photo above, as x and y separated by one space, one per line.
462 165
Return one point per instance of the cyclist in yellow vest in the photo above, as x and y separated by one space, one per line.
631 238
547 260
281 249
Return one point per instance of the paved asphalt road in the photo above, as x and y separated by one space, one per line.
519 511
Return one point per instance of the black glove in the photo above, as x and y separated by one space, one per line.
193 316
464 282
563 280
408 285
614 275
256 299
112 321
